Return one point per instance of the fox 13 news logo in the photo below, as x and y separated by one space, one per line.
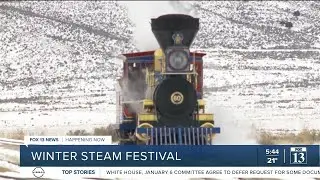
38 172
298 155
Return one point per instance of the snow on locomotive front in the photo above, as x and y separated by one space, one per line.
171 109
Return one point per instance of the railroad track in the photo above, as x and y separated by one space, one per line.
9 152
12 142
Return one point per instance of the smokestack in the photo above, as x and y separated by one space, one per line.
164 27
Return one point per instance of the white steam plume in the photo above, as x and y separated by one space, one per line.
133 91
141 13
234 131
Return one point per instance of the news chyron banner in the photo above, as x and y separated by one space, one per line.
96 157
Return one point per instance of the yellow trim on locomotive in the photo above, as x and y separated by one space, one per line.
158 60
150 77
204 117
147 117
143 137
147 103
201 103
208 125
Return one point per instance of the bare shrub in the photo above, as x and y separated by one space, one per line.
106 131
304 137
265 138
78 132
100 131
17 134
3 169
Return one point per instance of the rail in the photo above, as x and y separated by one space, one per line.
6 141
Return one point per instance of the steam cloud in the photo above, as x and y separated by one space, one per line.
233 131
141 13
133 90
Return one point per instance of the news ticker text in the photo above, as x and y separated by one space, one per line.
162 172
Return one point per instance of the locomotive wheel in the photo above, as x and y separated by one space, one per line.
175 98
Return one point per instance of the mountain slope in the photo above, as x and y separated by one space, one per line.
42 47
256 24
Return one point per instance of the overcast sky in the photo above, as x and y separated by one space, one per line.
141 12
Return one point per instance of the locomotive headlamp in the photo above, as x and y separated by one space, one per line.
178 60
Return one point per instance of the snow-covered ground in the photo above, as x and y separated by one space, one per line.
59 61
274 90
258 89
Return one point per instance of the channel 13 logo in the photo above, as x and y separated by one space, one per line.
298 155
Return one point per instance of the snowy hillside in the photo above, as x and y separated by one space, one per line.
54 62
59 60
41 45
265 90
256 24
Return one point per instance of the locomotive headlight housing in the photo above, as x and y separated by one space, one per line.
177 59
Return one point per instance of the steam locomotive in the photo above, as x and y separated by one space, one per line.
160 96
